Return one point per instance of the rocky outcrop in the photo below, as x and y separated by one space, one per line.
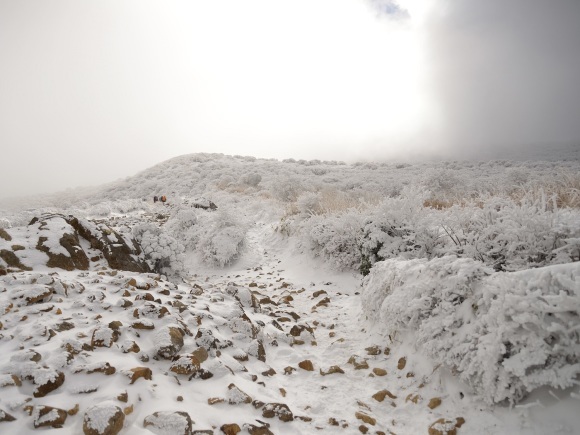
61 242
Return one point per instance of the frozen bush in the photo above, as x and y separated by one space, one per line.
220 236
335 238
181 226
309 203
161 249
504 234
505 334
400 227
251 179
286 189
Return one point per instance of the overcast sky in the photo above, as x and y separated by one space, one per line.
93 91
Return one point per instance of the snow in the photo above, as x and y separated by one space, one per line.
479 297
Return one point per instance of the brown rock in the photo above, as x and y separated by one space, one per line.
379 372
104 368
380 396
115 325
215 400
373 350
230 428
269 372
50 384
414 398
280 410
306 365
236 396
169 349
77 258
402 363
363 429
140 372
332 370
47 416
4 416
104 337
445 427
130 346
176 423
185 365
434 402
358 362
103 419
12 260
366 418
10 381
143 324
123 397
4 234
296 330
258 430
74 410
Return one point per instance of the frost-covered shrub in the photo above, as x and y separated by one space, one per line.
220 236
160 248
335 238
181 226
102 209
504 234
399 227
286 189
504 334
251 179
309 203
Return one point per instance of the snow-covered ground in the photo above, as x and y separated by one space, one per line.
257 315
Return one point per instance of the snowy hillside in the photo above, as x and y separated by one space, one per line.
296 297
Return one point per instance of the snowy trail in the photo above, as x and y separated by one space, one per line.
410 395
309 295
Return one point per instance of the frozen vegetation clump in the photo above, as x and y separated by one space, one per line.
504 334
220 236
161 249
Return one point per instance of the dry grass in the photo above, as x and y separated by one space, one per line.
562 191
333 201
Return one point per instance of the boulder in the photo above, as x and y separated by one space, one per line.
280 410
169 423
168 341
139 372
230 429
4 416
104 337
47 416
103 419
185 365
236 396
443 426
47 381
380 395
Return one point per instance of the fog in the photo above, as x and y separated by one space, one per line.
95 91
